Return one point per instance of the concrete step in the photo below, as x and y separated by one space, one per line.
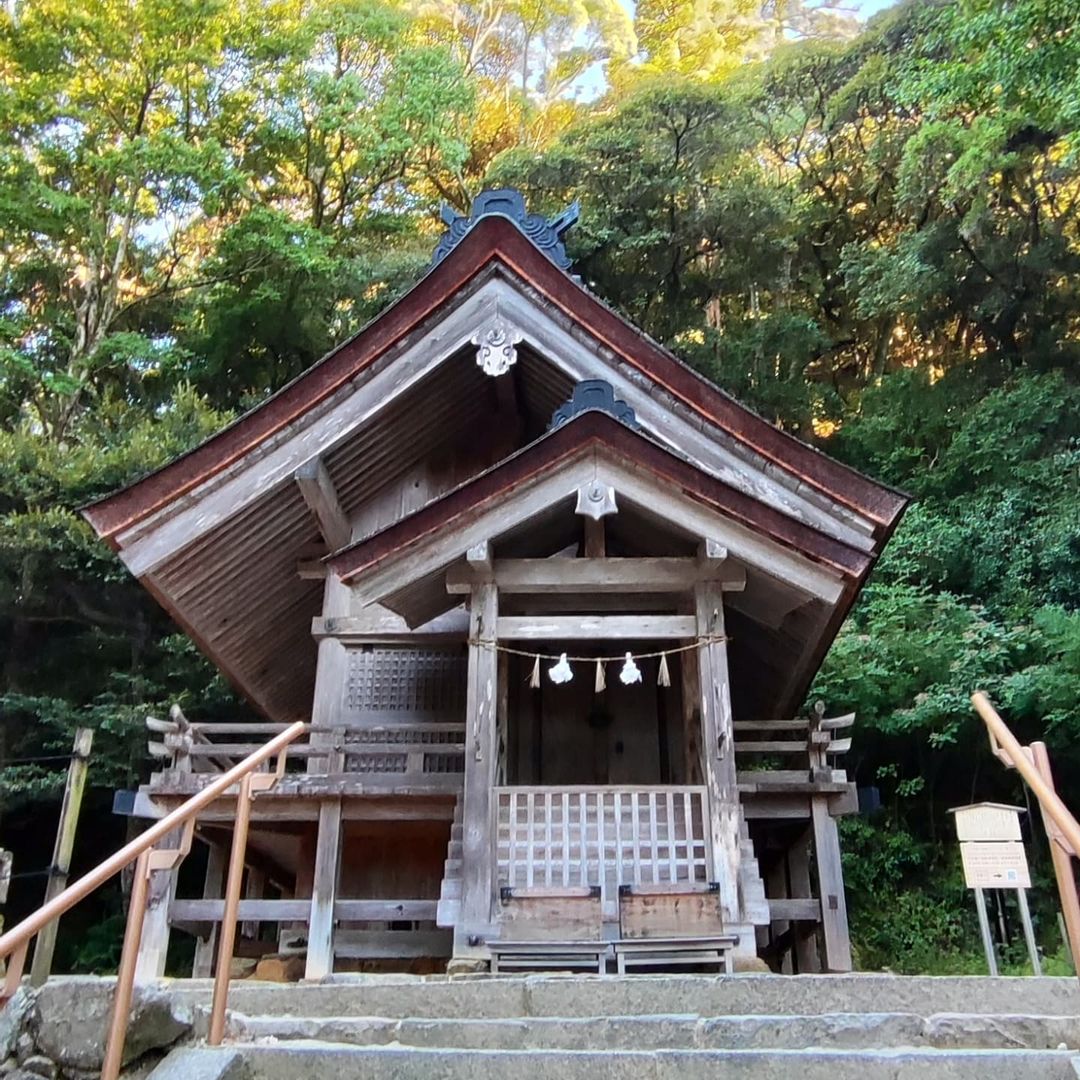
402 996
328 1061
836 1031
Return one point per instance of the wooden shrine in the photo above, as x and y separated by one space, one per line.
399 546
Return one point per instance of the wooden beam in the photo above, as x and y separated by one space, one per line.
319 493
595 627
574 576
209 911
62 850
393 944
377 623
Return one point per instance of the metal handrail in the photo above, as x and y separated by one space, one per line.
15 942
1033 764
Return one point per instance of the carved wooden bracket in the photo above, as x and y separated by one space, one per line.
496 339
596 500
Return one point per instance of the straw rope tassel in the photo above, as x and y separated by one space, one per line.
601 683
534 677
663 676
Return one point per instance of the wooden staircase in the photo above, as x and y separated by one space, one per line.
449 907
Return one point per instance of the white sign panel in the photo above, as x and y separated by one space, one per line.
987 823
997 865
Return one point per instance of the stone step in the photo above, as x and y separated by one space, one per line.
402 996
328 1061
836 1031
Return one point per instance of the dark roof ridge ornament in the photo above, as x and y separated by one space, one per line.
593 395
509 203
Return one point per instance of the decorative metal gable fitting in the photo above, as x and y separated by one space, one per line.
496 339
593 394
508 203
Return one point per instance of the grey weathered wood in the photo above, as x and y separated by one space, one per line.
595 538
575 576
595 627
376 623
392 944
478 872
439 550
212 910
798 858
149 543
834 919
319 493
717 746
74 786
320 954
806 909
206 946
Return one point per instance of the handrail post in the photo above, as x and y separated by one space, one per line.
125 976
227 932
1063 830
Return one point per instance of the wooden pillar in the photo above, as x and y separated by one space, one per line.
781 931
807 960
254 889
834 921
331 673
62 850
478 871
203 965
154 945
718 741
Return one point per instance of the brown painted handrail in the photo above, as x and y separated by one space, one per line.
1033 764
15 942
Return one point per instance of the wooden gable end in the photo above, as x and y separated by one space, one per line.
402 414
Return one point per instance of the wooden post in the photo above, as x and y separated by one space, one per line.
806 952
718 742
330 678
781 928
203 965
477 886
834 921
62 850
156 929
1061 855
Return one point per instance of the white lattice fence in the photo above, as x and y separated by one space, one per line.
606 836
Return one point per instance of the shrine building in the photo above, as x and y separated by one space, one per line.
550 602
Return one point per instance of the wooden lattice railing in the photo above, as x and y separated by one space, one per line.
803 749
601 836
404 749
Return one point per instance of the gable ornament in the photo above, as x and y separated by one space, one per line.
496 340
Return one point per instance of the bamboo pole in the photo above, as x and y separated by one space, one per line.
32 924
227 932
62 851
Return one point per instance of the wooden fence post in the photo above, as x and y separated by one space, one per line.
62 851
